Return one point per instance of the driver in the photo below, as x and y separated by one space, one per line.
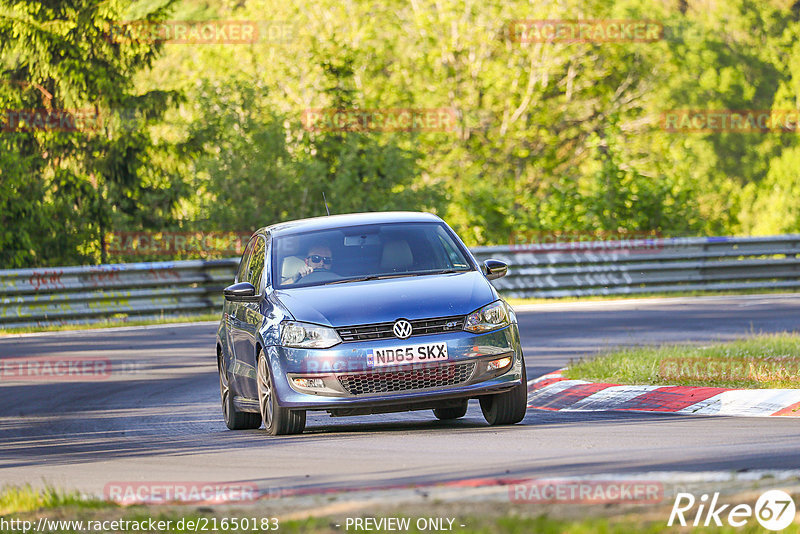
319 258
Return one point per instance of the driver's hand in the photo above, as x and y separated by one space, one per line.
305 270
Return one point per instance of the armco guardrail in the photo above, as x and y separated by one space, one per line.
548 270
86 294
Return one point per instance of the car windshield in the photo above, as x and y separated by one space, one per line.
365 252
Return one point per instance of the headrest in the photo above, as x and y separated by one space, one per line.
396 255
291 266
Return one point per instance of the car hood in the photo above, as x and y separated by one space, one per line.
381 301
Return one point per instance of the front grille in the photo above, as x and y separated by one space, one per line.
407 380
420 327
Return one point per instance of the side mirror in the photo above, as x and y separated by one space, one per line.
495 269
241 292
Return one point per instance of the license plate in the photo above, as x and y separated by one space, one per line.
429 352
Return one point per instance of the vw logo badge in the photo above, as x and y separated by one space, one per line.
402 329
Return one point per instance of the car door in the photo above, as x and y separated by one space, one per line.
248 321
232 313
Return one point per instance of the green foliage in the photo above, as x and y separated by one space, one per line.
621 198
65 187
773 207
255 166
561 136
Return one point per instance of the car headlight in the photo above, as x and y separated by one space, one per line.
308 336
491 317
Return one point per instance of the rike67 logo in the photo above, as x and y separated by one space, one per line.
774 510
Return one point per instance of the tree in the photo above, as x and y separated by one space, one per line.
77 180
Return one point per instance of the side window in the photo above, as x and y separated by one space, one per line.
256 264
240 274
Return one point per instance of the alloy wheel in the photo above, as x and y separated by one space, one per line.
224 392
265 391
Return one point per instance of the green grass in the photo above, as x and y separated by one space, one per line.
112 323
761 361
17 499
673 294
27 503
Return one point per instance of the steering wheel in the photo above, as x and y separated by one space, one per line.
320 276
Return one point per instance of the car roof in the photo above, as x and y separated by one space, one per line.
351 219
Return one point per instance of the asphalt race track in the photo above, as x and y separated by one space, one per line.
157 416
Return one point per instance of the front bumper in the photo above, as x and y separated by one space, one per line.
334 366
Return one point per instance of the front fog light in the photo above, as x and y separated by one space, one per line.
310 383
494 365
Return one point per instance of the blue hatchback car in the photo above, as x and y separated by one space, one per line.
361 314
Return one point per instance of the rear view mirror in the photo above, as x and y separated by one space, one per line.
241 292
494 269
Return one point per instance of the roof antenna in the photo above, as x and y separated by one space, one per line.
326 203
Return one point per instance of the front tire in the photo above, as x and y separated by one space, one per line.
234 419
451 412
507 408
277 420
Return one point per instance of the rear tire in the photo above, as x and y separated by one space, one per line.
234 419
451 412
278 420
509 407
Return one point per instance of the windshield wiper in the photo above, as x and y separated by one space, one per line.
395 275
372 277
444 271
359 279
